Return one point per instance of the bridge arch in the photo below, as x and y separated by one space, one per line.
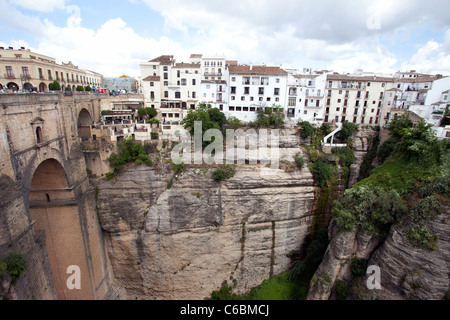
84 124
53 207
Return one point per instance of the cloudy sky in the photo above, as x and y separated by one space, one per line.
112 37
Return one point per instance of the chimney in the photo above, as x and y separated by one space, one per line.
251 67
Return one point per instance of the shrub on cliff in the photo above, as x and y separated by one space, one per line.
129 152
374 210
15 265
225 171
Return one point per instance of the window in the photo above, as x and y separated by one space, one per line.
193 94
193 82
166 76
177 95
238 108
330 84
25 71
252 109
231 108
233 98
260 90
166 94
246 90
246 80
268 98
9 72
252 98
50 75
233 79
165 68
255 80
276 91
233 90
242 98
178 73
166 83
265 81
152 84
38 135
277 80
183 82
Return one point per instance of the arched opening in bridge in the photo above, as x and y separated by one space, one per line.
55 210
84 125
42 87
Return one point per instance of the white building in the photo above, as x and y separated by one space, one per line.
355 98
251 87
214 86
305 97
172 88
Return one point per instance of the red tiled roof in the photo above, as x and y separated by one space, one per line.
187 65
347 77
152 78
257 70
165 60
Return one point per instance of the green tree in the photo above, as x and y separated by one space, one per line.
307 129
202 114
348 128
54 86
88 88
79 88
234 123
68 88
147 113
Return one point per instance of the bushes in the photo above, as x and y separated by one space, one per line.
225 171
341 289
129 152
322 172
422 237
345 155
386 149
358 267
372 209
15 265
300 162
307 129
348 128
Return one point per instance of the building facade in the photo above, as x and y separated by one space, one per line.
23 70
358 99
251 87
171 88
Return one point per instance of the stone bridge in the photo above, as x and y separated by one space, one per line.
47 206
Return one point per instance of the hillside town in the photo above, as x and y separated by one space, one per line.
173 88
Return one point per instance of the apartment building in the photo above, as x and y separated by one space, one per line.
252 87
357 98
305 97
213 86
24 70
172 88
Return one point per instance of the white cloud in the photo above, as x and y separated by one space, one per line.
41 5
433 57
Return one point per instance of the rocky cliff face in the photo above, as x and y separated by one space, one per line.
187 241
407 272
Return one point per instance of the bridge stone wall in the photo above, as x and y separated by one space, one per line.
23 147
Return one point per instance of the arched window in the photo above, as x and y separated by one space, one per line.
39 135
